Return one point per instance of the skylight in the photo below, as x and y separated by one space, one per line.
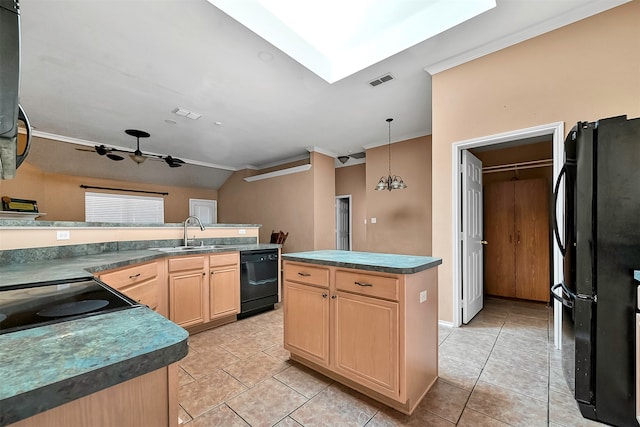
336 38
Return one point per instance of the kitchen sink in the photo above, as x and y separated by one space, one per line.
189 248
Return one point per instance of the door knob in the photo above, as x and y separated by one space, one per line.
484 242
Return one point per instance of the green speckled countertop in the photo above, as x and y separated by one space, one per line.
85 265
386 263
44 367
50 365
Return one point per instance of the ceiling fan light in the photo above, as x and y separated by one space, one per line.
401 184
138 158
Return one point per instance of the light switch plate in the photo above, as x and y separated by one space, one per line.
374 220
63 235
242 231
423 296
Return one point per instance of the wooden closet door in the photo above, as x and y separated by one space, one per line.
532 239
499 252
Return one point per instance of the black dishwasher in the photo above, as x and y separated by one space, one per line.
258 280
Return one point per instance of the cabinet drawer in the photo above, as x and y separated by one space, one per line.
186 263
224 259
145 293
368 284
304 273
130 275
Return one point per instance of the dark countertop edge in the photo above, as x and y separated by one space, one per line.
57 394
368 267
38 223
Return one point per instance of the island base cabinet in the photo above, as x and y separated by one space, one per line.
366 342
307 313
148 400
374 332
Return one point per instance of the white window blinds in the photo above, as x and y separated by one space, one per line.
103 207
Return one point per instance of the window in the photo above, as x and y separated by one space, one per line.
103 207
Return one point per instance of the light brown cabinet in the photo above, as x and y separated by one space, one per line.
368 330
516 227
204 290
187 286
224 285
144 283
129 403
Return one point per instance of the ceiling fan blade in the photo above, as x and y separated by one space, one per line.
115 157
173 162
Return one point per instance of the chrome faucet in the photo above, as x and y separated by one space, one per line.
186 222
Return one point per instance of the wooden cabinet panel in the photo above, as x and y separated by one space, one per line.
187 297
224 292
368 284
304 273
532 240
499 231
142 283
186 263
128 276
516 227
306 310
366 342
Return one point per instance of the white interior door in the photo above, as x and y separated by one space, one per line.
206 210
472 261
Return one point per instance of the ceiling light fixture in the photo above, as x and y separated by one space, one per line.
390 182
137 156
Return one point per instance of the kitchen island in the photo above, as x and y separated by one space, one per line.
367 320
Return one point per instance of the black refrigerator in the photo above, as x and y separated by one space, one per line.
601 249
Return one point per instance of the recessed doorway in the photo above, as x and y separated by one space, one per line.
555 132
343 223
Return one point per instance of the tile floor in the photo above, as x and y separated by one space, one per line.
499 370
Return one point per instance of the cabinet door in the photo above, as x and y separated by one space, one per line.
224 292
532 239
367 342
306 321
186 302
499 232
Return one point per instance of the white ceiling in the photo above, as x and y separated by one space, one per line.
91 69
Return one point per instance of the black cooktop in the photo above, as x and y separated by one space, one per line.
28 306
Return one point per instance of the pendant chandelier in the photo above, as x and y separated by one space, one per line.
390 182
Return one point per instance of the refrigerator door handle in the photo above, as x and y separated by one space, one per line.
567 302
563 249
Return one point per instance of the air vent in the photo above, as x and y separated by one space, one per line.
358 155
382 79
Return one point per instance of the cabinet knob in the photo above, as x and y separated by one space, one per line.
324 295
484 242
334 296
303 274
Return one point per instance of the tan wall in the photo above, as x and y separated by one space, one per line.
324 197
403 217
352 180
280 203
584 71
62 199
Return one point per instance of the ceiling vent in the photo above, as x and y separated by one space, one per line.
380 80
358 155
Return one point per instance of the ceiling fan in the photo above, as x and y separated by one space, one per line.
137 155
